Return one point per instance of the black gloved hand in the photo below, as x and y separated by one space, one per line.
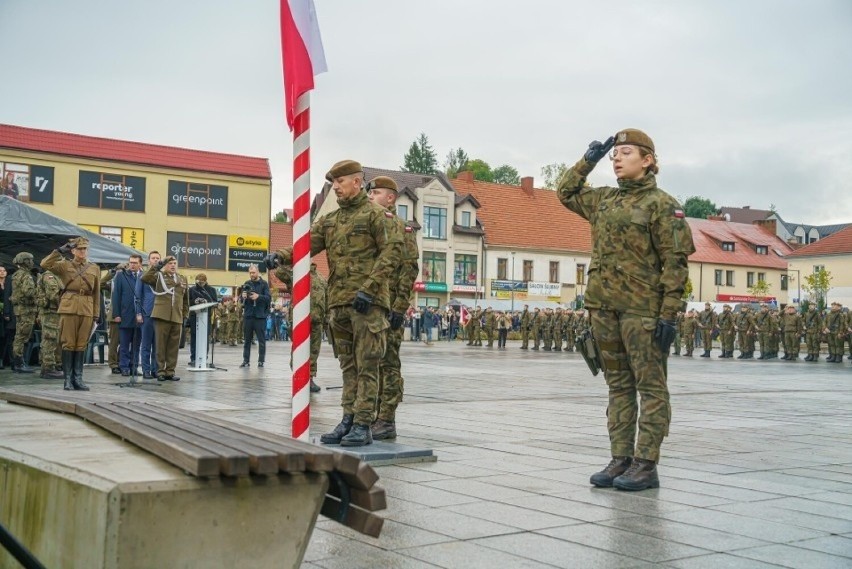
160 264
362 302
272 260
665 334
598 150
396 320
65 249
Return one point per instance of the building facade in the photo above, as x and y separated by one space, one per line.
832 254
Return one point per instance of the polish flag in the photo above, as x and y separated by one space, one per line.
301 46
464 316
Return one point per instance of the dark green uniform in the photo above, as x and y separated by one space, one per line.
792 327
727 331
688 328
813 330
707 320
489 326
526 327
49 290
24 305
745 333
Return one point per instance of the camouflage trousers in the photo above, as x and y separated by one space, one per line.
688 344
765 344
548 338
569 340
791 343
391 382
557 340
835 343
745 341
812 341
525 337
774 342
360 341
676 343
727 339
537 337
24 323
475 334
707 338
635 369
49 339
489 335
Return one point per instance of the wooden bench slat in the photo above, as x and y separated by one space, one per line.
363 479
371 500
356 518
231 461
195 460
30 400
261 460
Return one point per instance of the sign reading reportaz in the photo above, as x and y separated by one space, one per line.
111 191
198 200
197 250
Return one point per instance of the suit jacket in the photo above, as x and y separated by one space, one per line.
144 298
206 294
124 298
172 301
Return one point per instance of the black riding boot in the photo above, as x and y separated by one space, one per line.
77 380
68 368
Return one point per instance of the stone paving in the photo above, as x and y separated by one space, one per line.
757 471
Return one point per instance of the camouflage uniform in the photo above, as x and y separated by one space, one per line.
526 326
835 330
726 332
745 333
476 327
792 327
678 333
689 326
558 322
569 322
813 330
49 290
319 309
537 326
637 275
763 330
707 320
24 304
774 333
490 325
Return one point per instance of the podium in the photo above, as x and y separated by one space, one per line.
201 317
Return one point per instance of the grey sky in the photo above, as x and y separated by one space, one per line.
748 102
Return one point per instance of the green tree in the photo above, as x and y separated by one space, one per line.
456 162
506 174
551 174
481 170
699 207
687 289
760 288
280 217
818 284
421 157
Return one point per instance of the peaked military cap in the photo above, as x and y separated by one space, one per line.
343 168
80 242
635 137
382 182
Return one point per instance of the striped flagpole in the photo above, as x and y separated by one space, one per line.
301 268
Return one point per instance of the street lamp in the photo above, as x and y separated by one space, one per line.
512 281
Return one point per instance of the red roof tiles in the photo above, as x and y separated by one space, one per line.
512 217
67 144
835 244
709 235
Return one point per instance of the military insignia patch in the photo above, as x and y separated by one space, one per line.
622 136
678 213
408 229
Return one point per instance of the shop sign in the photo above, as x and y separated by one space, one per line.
467 288
430 287
248 242
197 250
26 183
508 285
743 298
535 288
198 200
111 191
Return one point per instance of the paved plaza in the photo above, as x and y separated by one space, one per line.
756 473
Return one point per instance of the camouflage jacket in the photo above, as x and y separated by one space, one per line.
813 321
726 321
640 243
690 325
490 319
526 320
835 321
744 322
49 290
792 323
763 322
319 292
707 318
23 292
402 280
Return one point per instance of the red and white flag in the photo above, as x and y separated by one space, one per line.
464 316
301 46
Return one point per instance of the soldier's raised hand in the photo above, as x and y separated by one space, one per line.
598 150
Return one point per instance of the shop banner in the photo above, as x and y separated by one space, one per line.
197 250
198 200
111 191
26 183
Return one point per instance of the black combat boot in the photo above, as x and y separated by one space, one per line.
49 373
314 387
77 378
706 354
340 431
741 356
382 430
641 475
358 436
616 467
18 365
68 368
809 357
547 348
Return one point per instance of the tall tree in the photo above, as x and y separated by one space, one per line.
699 207
551 174
481 170
760 288
421 158
456 162
818 284
280 217
506 174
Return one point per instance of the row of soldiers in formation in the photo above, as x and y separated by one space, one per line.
548 328
770 329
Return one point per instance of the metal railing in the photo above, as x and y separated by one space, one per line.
18 551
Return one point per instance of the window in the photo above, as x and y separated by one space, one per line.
761 277
402 211
434 267
435 222
465 270
502 265
554 271
425 301
581 274
818 268
729 278
718 277
528 271
198 250
784 283
727 246
465 219
749 279
762 250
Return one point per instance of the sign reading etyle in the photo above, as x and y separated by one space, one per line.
111 191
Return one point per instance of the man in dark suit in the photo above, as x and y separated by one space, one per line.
255 298
123 307
201 293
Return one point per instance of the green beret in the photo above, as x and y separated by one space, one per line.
343 168
382 182
634 137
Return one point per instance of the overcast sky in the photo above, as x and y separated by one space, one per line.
748 102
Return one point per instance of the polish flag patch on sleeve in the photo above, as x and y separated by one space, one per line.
678 213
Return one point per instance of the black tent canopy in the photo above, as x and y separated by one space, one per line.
25 228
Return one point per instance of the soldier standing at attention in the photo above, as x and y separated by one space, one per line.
637 275
476 327
726 331
813 329
79 306
568 319
384 191
774 332
23 299
690 325
678 333
707 320
490 324
526 326
537 323
171 307
49 288
745 333
557 330
835 328
364 247
762 328
792 328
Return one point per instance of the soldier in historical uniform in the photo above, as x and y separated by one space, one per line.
526 327
813 329
835 330
727 331
792 327
49 289
745 326
24 304
364 246
489 326
707 323
79 305
171 307
637 276
384 192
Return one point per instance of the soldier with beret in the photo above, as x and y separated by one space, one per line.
745 326
813 328
79 306
637 275
725 322
526 326
364 247
23 299
707 322
384 192
171 306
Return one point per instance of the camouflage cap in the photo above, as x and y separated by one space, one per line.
635 137
343 168
22 257
382 182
